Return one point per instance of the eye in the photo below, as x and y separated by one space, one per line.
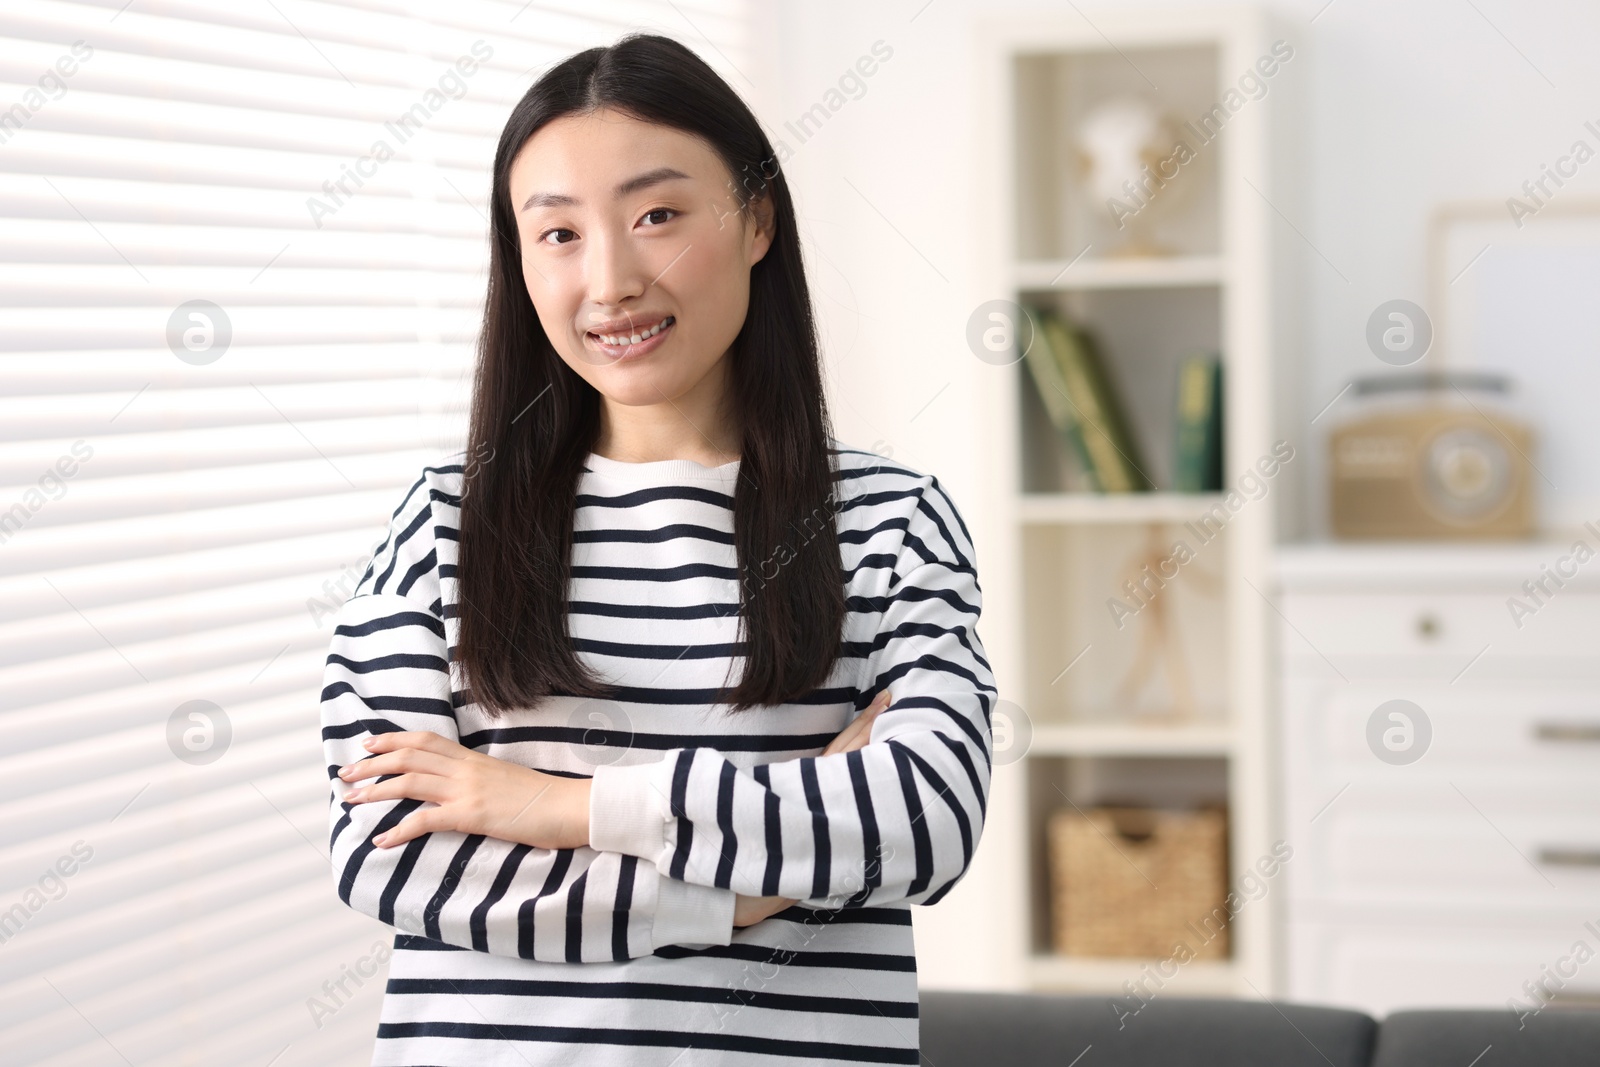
545 236
658 211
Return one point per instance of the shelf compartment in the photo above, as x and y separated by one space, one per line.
1184 782
1142 337
1091 647
1057 210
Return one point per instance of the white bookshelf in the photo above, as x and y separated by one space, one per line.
1063 549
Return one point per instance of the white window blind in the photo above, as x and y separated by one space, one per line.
242 247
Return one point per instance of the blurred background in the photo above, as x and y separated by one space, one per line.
1255 344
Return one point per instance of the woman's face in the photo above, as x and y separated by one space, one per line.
634 251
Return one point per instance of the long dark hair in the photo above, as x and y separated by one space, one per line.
534 420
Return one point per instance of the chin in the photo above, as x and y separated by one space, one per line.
640 390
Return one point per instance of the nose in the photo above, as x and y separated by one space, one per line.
614 270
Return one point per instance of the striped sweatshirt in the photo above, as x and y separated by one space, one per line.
624 951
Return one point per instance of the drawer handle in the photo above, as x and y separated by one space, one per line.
1570 857
1568 732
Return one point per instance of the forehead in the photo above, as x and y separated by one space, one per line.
586 155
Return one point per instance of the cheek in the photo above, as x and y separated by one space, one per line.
712 286
545 295
534 284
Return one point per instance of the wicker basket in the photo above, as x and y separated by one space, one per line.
1139 882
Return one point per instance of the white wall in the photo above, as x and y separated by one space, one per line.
1406 105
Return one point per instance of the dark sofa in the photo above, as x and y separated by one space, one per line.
970 1029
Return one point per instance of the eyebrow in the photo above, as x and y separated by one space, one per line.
632 185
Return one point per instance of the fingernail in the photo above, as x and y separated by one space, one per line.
369 742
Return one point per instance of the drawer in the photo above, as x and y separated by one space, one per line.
1447 852
1503 805
1380 967
1457 625
1549 730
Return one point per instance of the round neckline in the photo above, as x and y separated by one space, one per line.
660 470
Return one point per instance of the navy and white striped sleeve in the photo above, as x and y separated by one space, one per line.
896 820
388 669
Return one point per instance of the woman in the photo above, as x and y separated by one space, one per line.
615 693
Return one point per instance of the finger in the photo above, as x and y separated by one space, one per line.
844 737
841 743
397 762
871 711
401 787
425 740
863 737
413 826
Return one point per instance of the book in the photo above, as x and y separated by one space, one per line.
1053 391
1082 403
1197 459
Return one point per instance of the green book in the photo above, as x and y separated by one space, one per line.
1115 463
1045 367
1197 462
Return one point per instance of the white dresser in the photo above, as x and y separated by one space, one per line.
1446 858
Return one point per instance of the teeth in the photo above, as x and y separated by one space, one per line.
635 338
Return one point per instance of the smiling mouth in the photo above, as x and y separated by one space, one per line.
616 340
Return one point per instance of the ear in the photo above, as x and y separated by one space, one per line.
761 235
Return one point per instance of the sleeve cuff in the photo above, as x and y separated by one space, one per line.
692 914
628 810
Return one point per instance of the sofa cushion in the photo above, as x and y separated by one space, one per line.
971 1029
1550 1038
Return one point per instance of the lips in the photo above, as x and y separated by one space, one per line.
630 333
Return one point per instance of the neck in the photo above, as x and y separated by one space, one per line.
695 425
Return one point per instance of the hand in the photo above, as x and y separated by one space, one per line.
475 793
747 911
859 732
